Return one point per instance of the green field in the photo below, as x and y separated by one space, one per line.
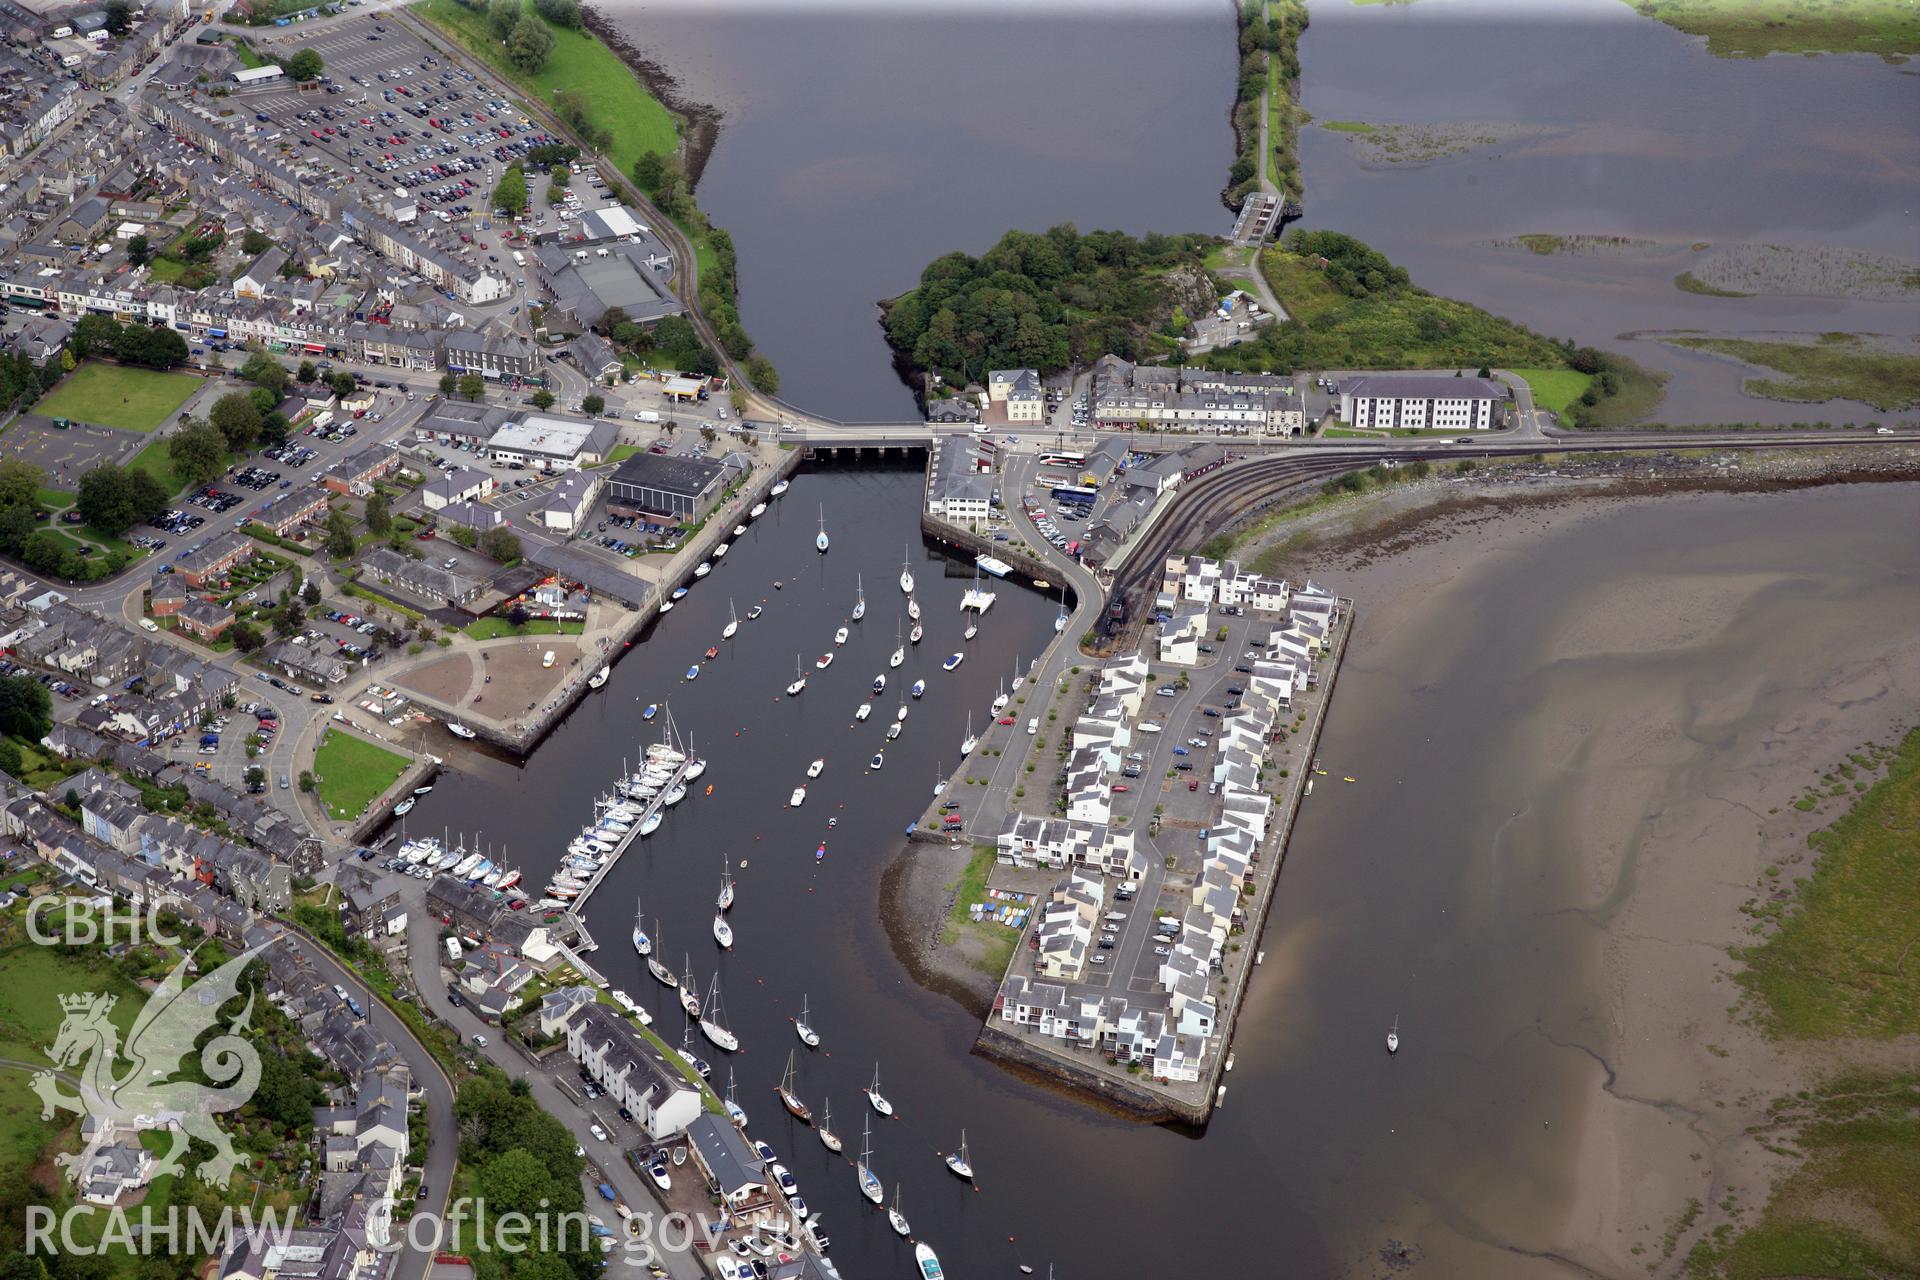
1555 389
1840 366
579 62
494 628
111 395
155 460
1756 28
30 1018
351 772
1346 126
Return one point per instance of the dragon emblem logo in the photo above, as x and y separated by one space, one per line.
145 1095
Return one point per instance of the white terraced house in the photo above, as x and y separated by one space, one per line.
1426 400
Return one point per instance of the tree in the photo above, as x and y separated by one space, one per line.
254 243
561 13
344 384
306 372
306 65
510 194
44 552
264 371
339 534
198 450
238 420
464 536
502 17
311 592
648 170
379 513
246 637
93 334
138 247
448 383
560 175
119 17
529 45
306 781
472 386
501 544
592 403
16 526
291 618
20 483
26 708
543 399
273 428
765 377
150 497
106 499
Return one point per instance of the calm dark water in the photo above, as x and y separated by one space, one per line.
1652 137
1436 890
861 143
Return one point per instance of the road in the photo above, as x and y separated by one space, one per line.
436 1089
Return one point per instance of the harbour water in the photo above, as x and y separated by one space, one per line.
1435 889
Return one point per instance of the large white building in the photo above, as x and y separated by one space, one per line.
553 444
1420 400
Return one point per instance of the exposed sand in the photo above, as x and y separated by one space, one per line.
1676 791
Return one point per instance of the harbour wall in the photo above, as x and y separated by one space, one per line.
968 544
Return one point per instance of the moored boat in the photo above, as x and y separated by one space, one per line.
599 678
808 1036
859 598
879 758
953 660
779 488
722 932
404 808
759 509
864 710
791 1100
919 688
822 662
459 730
875 1098
906 575
798 798
959 1162
814 769
828 1138
928 1261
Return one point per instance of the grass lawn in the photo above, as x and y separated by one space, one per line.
1756 28
155 460
165 270
40 770
621 452
994 942
1345 126
618 101
351 772
494 628
1555 389
1839 366
111 395
55 500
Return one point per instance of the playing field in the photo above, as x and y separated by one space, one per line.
111 395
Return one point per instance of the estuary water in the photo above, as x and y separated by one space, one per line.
859 143
1438 888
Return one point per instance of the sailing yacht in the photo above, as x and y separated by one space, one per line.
906 575
808 1036
791 1100
733 622
689 990
874 1097
958 1162
599 678
800 680
725 900
968 743
859 598
641 942
999 703
828 1138
735 1112
722 932
897 1219
899 650
820 543
870 1186
711 1024
1018 679
778 489
1393 1036
913 608
914 636
901 714
661 974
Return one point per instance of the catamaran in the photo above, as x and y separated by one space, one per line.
733 621
968 743
813 770
791 1100
599 678
808 1036
899 649
689 990
906 575
953 660
859 598
958 1161
870 1185
711 1024
641 942
661 974
800 680
820 543
725 901
874 1097
897 1219
828 1138
722 932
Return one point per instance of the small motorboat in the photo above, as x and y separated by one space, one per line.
919 688
813 770
894 730
972 630
713 651
459 730
649 711
739 529
754 613
778 489
822 662
1393 1037
661 1178
928 1261
666 606
759 509
420 791
953 660
840 637
599 678
720 552
863 711
404 808
879 758
702 569
679 593
693 672
798 798
879 684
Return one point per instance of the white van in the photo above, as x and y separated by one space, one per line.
453 950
